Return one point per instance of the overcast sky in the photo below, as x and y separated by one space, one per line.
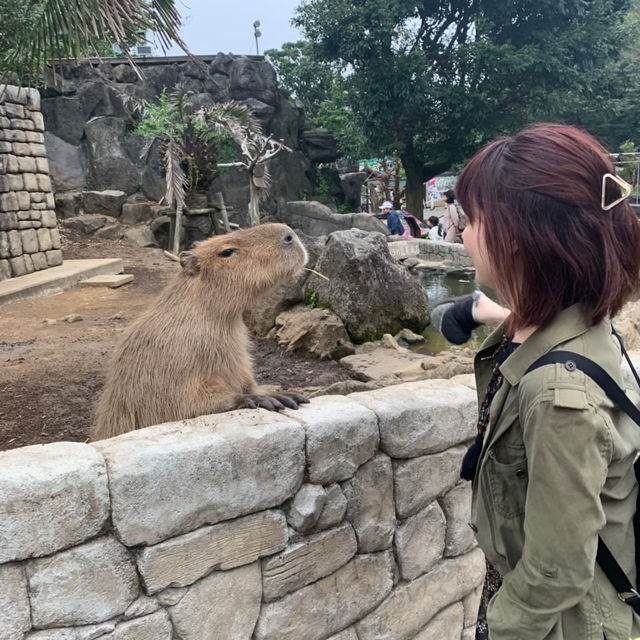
227 25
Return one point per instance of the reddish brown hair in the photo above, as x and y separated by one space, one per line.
537 196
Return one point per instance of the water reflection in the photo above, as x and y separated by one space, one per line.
441 285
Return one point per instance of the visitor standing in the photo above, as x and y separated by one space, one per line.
391 217
552 467
451 217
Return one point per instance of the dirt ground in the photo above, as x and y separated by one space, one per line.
52 364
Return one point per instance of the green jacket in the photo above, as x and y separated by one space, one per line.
556 471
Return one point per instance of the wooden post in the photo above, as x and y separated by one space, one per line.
177 229
223 212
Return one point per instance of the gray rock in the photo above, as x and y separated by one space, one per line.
337 601
369 307
39 261
54 257
68 205
420 541
171 596
410 337
320 145
411 606
456 505
446 624
88 223
183 560
347 634
113 231
109 164
124 73
305 508
334 509
174 478
15 619
135 212
253 79
419 481
156 626
44 240
142 236
305 562
341 436
316 219
422 417
471 605
108 202
30 241
370 505
223 606
316 331
51 497
143 606
83 585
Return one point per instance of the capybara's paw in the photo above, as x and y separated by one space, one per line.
272 403
291 399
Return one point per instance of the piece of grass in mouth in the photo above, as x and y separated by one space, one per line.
316 272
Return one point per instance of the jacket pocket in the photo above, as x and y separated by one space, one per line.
508 481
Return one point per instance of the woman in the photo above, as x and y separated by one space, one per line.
552 467
451 219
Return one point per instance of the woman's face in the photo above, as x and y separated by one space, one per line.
474 243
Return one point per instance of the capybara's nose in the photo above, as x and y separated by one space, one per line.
288 238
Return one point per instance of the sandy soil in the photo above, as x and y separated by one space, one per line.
52 370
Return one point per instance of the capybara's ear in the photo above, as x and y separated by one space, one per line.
190 262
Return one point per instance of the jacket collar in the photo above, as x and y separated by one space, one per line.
568 324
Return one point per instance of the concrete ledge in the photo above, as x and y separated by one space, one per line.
56 279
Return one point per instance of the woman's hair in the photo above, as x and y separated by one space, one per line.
550 244
449 196
434 220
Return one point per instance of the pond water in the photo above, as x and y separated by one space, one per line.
441 285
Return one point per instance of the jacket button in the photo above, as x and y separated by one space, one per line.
473 527
570 365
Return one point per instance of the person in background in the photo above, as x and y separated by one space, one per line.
435 230
391 217
451 218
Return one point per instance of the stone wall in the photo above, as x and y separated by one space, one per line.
447 253
29 239
344 521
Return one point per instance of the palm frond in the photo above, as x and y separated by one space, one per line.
75 28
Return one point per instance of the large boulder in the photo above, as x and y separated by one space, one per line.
253 79
316 219
320 145
67 163
367 288
110 166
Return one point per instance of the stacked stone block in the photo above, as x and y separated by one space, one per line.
29 238
450 254
344 520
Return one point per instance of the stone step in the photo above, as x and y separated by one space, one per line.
113 281
56 279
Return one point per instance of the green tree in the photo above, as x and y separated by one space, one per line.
432 80
34 32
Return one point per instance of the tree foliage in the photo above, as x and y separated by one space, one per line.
34 32
432 80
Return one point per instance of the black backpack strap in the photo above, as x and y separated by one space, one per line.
573 361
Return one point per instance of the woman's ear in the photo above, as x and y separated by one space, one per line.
190 262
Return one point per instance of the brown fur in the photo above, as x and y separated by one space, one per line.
187 355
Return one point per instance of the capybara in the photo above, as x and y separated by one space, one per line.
187 355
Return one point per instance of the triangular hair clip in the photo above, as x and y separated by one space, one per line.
627 189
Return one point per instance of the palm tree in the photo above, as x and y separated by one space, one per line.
43 31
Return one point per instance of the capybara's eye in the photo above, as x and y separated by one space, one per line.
227 252
288 238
